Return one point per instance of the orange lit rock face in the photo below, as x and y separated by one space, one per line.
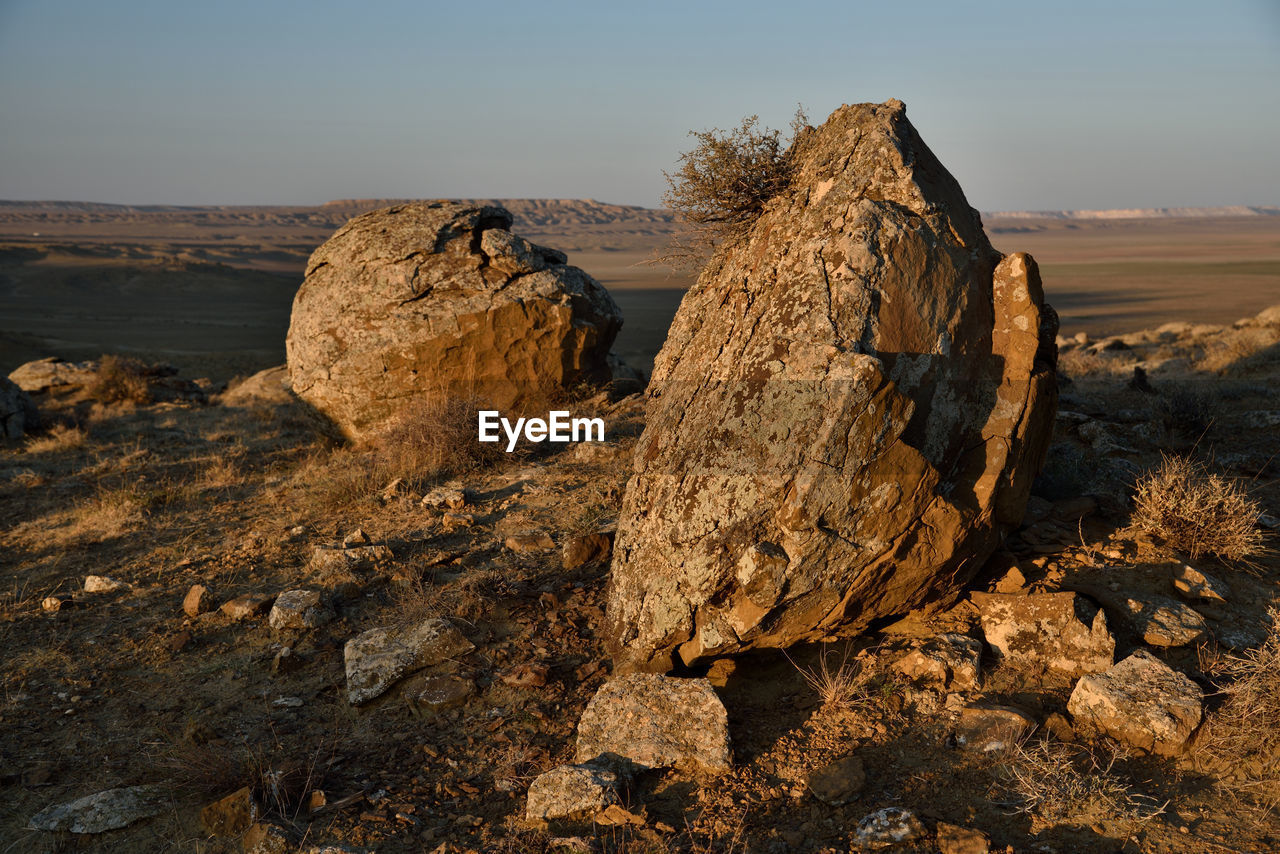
846 416
442 299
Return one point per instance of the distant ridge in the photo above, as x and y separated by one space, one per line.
1139 213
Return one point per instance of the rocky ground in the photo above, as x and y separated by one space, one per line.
116 675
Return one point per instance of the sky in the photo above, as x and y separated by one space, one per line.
1032 105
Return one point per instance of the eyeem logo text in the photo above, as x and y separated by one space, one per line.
559 426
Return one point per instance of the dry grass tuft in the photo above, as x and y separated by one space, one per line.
1198 512
1064 783
57 438
845 687
432 438
120 379
1241 740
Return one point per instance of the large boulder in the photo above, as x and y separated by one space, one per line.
847 414
17 413
441 299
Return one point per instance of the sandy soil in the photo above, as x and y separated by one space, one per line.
209 289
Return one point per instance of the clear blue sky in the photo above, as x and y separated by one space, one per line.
1033 105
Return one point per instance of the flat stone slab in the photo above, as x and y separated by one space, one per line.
571 791
653 721
98 813
377 659
1061 632
1141 702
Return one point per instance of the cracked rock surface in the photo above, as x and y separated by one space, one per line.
441 299
847 414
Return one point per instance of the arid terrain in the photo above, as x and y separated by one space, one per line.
233 486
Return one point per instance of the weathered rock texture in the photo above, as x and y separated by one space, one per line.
846 416
423 300
1141 702
17 413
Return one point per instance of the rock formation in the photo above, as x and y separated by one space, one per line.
441 299
847 414
17 413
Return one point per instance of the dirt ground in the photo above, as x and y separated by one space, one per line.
237 493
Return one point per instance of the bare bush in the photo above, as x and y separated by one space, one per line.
845 686
431 438
1065 783
1198 512
724 182
119 379
1241 739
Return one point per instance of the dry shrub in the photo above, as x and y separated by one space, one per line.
724 182
843 687
432 438
119 379
59 437
1188 409
1082 363
1066 783
1241 739
1198 512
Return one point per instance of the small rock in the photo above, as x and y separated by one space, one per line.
1059 727
1194 584
840 782
530 542
197 601
950 660
526 676
56 603
654 721
103 584
263 838
953 839
286 661
328 559
989 729
230 816
582 549
298 610
109 810
445 498
886 827
377 659
1141 702
246 606
454 521
355 539
1012 581
1164 622
438 693
1062 633
571 791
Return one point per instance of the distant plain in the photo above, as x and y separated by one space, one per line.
209 289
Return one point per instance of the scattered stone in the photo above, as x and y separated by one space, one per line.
1164 622
1193 583
445 498
438 693
1059 727
444 291
582 549
454 521
654 721
230 816
952 661
356 538
298 610
56 602
1141 702
109 810
18 414
1012 581
888 826
329 559
377 659
263 838
572 791
270 386
1063 633
954 839
526 676
530 542
246 606
862 384
287 661
991 729
197 601
571 845
103 584
840 782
